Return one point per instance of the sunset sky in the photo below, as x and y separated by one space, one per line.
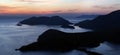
58 6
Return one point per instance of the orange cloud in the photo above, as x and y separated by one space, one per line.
21 10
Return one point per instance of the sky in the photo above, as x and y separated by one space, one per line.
58 6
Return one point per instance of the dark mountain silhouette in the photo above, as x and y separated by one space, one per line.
103 22
54 40
43 20
87 16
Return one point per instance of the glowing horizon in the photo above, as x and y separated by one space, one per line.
58 6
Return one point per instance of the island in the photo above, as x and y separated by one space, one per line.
44 20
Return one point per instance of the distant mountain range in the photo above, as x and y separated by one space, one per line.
87 16
103 22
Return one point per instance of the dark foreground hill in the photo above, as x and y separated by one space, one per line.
54 40
44 20
103 22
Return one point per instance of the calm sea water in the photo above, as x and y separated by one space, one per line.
13 37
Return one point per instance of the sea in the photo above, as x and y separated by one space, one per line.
13 37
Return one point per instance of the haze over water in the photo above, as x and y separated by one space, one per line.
13 37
